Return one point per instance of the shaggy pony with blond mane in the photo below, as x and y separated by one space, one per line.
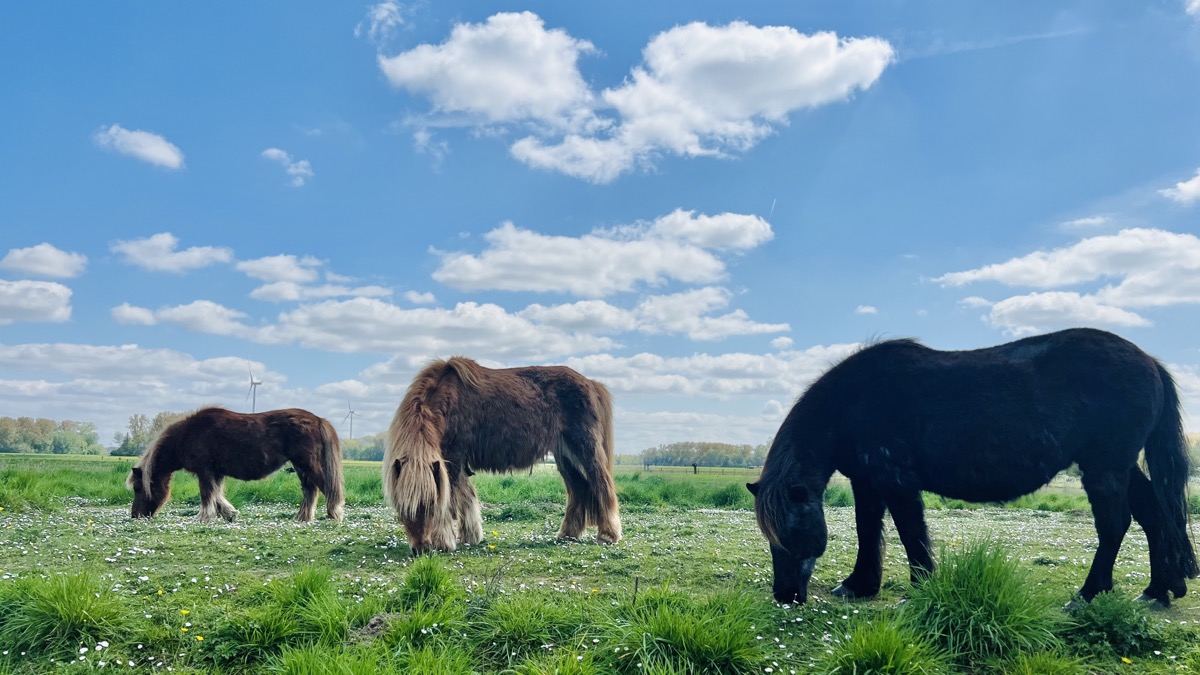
213 443
459 416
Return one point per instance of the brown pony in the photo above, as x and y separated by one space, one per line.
458 416
213 443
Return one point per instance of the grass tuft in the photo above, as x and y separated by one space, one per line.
979 607
884 647
1114 624
60 614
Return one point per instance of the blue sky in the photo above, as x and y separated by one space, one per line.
701 204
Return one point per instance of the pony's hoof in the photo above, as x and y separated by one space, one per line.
607 539
1155 603
847 593
1076 603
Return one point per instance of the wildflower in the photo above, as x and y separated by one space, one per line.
491 546
1126 659
185 612
184 629
199 638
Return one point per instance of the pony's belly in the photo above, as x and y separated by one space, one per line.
993 484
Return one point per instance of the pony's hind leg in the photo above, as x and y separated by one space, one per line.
575 519
866 578
308 500
464 506
224 508
908 512
1147 513
608 511
209 489
1108 492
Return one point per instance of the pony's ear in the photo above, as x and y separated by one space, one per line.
753 488
137 472
798 493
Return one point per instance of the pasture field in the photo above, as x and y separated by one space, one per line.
82 587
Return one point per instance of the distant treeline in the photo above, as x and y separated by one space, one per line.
687 453
26 434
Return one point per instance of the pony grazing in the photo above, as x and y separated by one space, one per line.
213 443
986 425
458 416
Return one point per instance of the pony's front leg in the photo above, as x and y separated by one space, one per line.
908 512
308 500
208 498
464 505
867 577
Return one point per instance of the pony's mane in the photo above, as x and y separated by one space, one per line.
467 369
145 461
770 504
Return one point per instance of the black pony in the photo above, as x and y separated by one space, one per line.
986 425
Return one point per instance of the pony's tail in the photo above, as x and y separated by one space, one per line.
331 467
605 412
415 480
1167 459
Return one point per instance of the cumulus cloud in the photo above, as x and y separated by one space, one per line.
689 312
129 314
865 309
420 298
288 291
1142 268
1041 312
701 90
157 253
205 316
587 316
299 170
44 260
1192 7
604 261
144 145
712 90
34 301
281 268
507 69
1185 192
1085 223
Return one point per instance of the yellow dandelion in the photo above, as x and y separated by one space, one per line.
160 591
495 533
491 546
184 629
199 638
185 612
1126 659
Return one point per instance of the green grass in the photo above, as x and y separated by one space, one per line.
686 590
883 646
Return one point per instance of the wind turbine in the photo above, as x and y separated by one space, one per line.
253 391
350 416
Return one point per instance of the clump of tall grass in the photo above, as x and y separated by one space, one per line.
884 647
59 614
328 660
513 629
427 583
979 606
1041 663
668 632
1115 625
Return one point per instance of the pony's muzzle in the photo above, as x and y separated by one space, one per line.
793 589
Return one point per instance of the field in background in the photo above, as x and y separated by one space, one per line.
519 602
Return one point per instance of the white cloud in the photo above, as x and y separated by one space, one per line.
1150 263
420 298
1192 7
782 343
381 21
157 253
205 316
700 91
287 291
586 316
1185 192
300 171
603 261
508 69
281 268
1042 312
865 309
144 145
130 314
688 313
1142 267
974 302
712 90
45 260
370 325
718 376
1086 222
34 301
